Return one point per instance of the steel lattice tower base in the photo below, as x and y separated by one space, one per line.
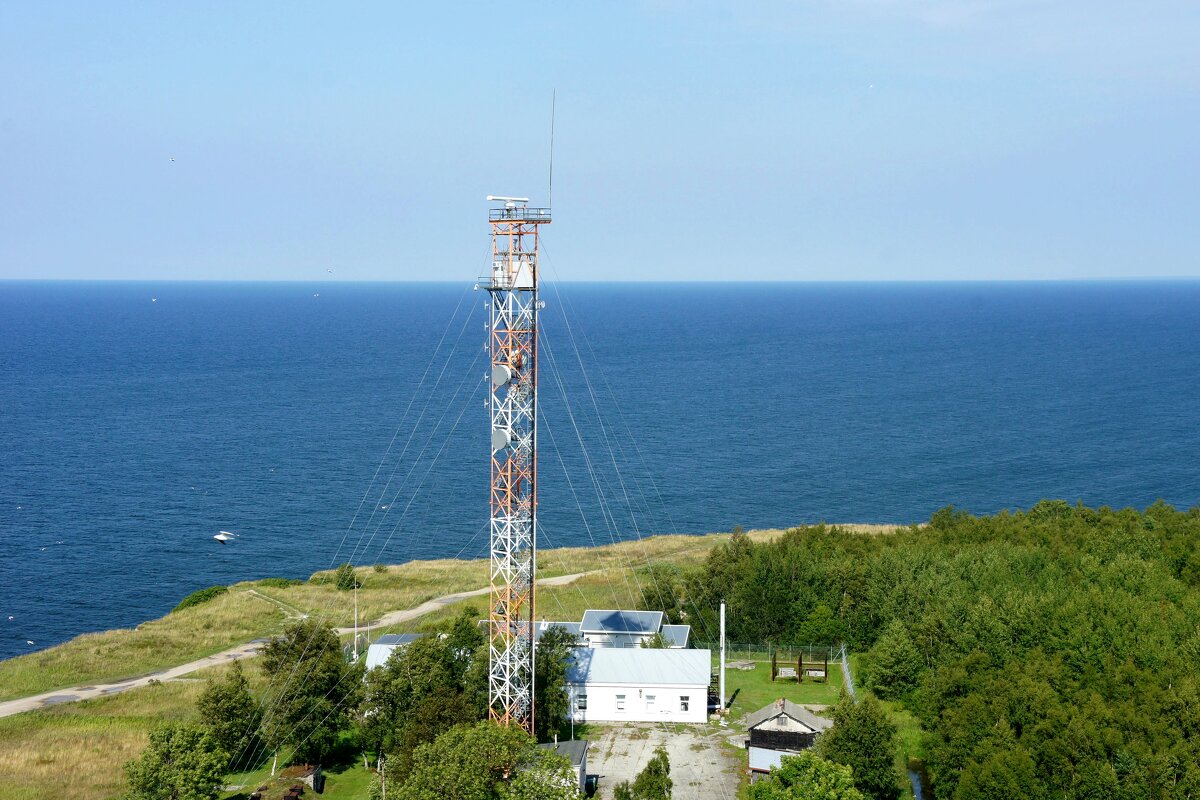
513 303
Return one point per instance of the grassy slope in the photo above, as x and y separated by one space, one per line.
76 750
231 619
253 610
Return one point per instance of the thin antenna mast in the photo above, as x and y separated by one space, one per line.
550 188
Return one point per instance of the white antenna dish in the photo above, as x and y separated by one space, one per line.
502 199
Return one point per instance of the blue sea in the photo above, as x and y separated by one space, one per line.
331 422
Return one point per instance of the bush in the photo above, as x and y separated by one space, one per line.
200 596
346 579
652 783
380 567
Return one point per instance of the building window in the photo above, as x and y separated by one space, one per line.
683 702
581 702
620 702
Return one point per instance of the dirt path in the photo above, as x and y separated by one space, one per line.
248 650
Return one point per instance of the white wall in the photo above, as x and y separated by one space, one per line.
615 639
763 759
602 703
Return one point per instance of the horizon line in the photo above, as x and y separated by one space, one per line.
714 281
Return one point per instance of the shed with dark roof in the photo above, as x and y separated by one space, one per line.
780 729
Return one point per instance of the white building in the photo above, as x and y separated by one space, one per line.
382 648
638 684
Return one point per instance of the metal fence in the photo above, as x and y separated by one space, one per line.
737 651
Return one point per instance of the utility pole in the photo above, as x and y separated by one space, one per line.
722 668
512 287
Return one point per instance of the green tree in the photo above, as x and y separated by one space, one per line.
652 783
551 699
465 635
485 761
549 776
807 776
1012 774
183 762
661 586
894 664
423 690
863 738
345 579
656 642
821 626
231 714
315 690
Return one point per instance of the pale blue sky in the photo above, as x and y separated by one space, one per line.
831 139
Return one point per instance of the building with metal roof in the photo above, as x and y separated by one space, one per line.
615 628
380 650
780 729
575 750
639 684
676 635
540 628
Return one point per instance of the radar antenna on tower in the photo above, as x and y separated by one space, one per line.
512 287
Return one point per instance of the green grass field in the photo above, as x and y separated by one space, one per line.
750 690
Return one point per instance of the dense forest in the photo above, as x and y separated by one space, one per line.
1052 653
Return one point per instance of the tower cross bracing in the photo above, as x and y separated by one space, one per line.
512 345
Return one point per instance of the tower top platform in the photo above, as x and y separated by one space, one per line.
519 214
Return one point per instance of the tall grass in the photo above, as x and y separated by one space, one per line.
177 638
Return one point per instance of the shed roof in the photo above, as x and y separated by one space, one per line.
640 666
575 749
381 649
398 638
787 708
611 621
677 635
541 627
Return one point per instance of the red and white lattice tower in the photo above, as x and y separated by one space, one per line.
513 301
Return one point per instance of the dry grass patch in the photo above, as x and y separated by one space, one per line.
77 750
67 757
399 587
179 637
